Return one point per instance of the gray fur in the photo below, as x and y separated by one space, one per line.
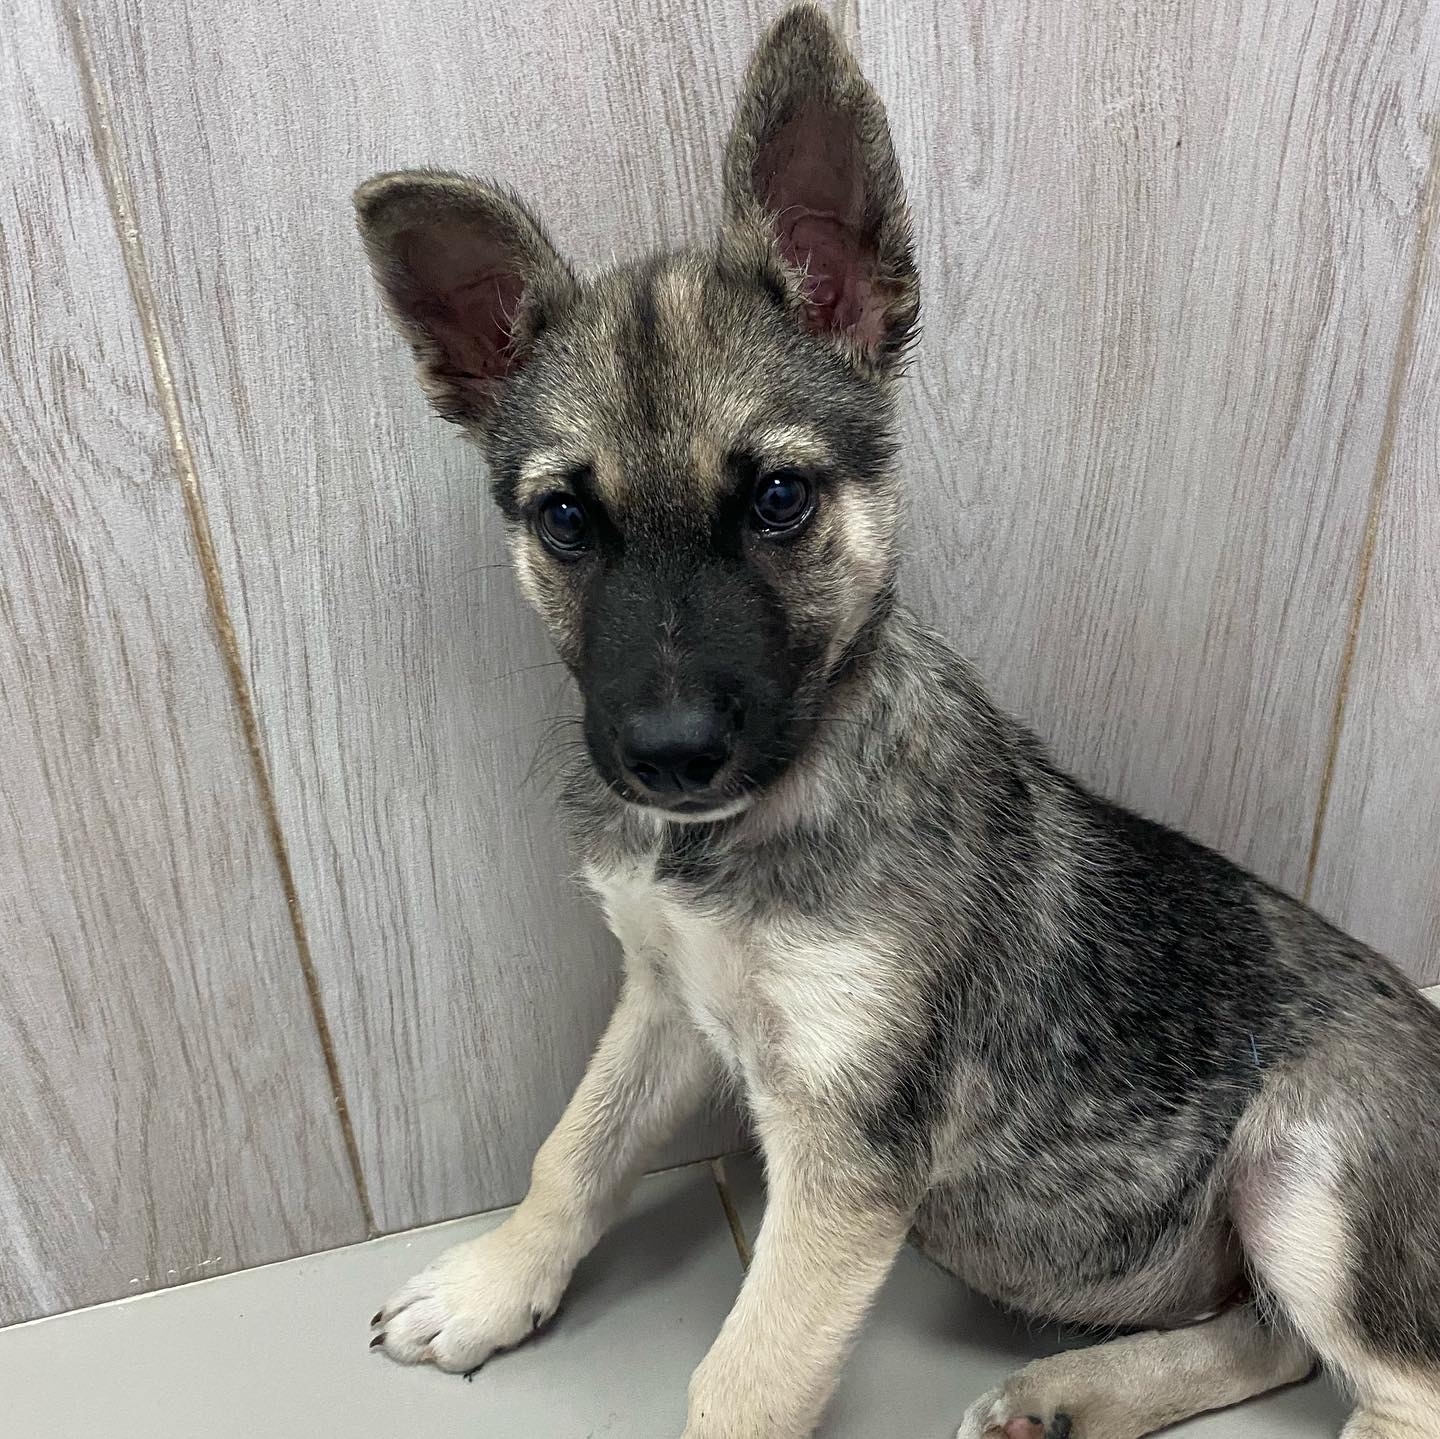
1103 1073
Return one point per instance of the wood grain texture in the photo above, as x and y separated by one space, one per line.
1165 248
1378 864
402 689
166 1114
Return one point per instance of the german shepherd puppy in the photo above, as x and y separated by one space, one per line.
1095 1069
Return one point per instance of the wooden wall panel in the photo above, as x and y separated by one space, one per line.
1378 870
166 1113
1166 252
402 689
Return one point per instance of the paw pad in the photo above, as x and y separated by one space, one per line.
1031 1426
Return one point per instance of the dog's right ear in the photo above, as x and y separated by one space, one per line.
469 278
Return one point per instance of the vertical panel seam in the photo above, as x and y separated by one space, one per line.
1405 348
123 214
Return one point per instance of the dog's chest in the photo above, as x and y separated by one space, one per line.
709 964
782 1005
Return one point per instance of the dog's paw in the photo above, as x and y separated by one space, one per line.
1001 1415
474 1301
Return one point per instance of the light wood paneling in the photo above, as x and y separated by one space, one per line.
166 1113
1378 869
403 691
1166 248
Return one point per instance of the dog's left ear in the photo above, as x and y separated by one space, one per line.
810 171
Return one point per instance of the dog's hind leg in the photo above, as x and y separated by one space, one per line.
1134 1386
1339 1226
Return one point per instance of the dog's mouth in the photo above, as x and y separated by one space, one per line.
689 806
730 794
697 811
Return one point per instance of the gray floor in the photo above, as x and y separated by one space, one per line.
280 1352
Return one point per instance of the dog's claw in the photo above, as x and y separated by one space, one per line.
379 1315
377 1341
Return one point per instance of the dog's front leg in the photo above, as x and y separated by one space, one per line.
491 1293
829 1239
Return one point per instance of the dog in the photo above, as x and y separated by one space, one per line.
1091 1067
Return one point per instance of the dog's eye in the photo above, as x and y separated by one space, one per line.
783 501
563 524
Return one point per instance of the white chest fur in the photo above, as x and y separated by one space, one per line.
706 963
775 1006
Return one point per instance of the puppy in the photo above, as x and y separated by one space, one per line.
1092 1067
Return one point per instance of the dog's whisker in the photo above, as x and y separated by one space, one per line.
525 670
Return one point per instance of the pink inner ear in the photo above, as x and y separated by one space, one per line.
809 176
840 295
466 294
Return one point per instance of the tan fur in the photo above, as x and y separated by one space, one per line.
548 469
825 1249
829 1239
1133 1386
788 1015
860 530
649 1069
792 445
1296 1236
829 1236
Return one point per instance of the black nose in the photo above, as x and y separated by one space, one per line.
676 750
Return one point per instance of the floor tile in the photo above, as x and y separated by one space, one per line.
931 1347
280 1352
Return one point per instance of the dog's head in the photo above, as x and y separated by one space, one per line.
692 453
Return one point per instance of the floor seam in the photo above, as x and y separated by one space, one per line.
732 1212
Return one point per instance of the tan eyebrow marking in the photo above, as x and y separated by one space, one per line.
793 444
544 470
